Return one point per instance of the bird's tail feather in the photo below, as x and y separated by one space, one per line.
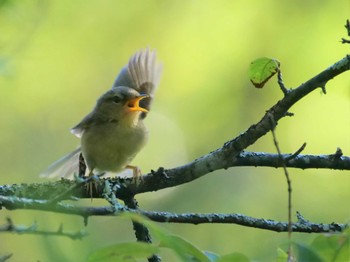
64 167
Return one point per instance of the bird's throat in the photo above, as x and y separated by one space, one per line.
131 119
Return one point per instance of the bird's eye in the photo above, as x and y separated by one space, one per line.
116 99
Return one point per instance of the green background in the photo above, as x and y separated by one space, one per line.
58 57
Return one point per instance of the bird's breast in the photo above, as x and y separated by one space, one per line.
110 147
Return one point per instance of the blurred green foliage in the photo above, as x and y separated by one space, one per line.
57 57
184 250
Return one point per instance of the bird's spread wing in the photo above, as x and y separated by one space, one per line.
142 73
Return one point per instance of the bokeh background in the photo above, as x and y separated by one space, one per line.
58 57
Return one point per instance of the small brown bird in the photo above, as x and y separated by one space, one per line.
114 132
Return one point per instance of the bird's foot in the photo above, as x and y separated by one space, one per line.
136 174
93 182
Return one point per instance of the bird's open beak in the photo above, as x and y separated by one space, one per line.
133 104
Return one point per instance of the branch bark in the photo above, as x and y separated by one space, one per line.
159 179
166 217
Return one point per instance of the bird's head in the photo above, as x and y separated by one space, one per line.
120 104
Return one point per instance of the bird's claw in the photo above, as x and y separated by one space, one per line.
92 181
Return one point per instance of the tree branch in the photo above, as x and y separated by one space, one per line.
159 178
239 219
302 225
300 161
33 230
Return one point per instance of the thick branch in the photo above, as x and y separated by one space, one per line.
53 189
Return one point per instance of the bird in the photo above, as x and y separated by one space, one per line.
114 132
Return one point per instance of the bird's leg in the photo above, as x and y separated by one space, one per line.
136 173
89 185
93 180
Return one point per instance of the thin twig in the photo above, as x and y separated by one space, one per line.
347 26
297 153
280 82
345 41
33 230
338 153
289 185
287 178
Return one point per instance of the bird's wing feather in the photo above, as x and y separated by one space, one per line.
142 73
79 129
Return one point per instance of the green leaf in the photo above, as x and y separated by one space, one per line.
282 255
159 232
123 252
333 248
305 253
261 70
237 257
184 249
300 252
